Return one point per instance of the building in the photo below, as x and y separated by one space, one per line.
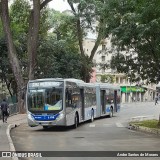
130 91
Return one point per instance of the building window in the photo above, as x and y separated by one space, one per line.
103 58
127 58
117 80
103 47
121 80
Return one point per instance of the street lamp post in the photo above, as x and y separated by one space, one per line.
126 99
129 89
130 81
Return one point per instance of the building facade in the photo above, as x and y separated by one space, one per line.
130 92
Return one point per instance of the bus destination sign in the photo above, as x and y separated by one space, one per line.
44 84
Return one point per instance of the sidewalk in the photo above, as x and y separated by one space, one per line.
6 143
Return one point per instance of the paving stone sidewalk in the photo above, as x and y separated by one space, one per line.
5 144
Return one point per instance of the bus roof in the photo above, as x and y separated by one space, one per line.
79 82
57 79
107 85
47 79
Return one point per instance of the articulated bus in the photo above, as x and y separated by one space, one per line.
68 102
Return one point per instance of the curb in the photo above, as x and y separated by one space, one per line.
144 129
11 145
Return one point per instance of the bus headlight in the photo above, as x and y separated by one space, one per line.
30 117
60 116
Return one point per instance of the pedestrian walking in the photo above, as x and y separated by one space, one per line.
156 100
4 109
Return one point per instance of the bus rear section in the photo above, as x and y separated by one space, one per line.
108 99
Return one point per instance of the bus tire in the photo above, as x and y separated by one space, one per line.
75 121
111 112
92 115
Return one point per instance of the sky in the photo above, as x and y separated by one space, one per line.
59 5
62 5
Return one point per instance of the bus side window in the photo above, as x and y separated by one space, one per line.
68 98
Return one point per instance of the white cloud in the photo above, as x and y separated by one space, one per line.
59 5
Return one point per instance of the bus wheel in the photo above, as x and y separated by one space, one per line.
76 121
111 112
92 115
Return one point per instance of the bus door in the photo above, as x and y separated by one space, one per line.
115 101
82 103
103 102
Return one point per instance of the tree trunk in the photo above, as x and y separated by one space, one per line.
99 38
33 37
96 45
32 45
85 71
80 37
12 53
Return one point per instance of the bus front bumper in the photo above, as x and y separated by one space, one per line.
59 121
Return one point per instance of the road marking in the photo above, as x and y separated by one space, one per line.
119 124
92 125
107 125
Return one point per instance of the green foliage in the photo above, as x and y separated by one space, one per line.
5 69
56 59
19 16
148 123
65 32
58 43
19 21
107 78
45 25
63 27
135 32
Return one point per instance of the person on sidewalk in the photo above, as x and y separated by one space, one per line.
156 100
4 109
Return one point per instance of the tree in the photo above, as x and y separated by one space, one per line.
87 13
32 44
107 78
62 61
65 30
6 73
134 26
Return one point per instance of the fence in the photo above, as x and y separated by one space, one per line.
13 108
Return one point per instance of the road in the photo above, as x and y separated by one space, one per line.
104 134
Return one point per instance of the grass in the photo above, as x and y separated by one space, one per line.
148 123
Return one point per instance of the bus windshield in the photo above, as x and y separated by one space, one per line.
45 99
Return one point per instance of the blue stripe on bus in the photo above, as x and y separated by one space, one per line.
45 117
107 109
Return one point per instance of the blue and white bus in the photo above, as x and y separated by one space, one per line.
67 102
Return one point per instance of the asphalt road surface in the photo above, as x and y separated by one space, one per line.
104 134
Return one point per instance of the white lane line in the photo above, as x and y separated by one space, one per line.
92 125
119 124
107 125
